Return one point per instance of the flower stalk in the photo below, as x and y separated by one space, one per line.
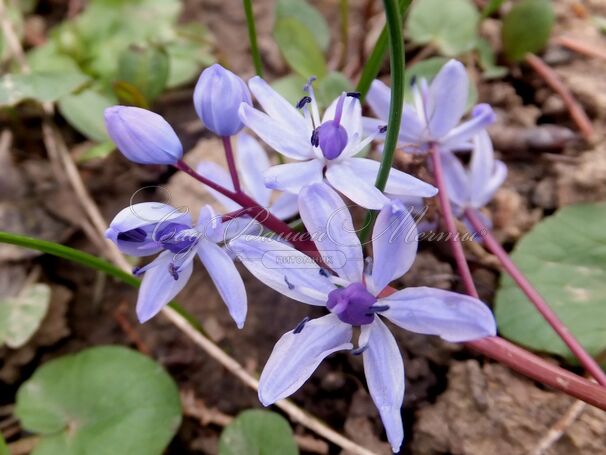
231 163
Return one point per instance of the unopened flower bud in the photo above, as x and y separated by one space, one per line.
217 98
143 136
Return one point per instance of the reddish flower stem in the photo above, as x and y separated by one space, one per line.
577 45
537 300
231 163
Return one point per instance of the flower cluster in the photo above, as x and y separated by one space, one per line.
322 167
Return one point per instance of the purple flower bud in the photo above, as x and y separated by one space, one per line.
332 138
352 304
217 98
143 136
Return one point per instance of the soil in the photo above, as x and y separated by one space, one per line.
455 402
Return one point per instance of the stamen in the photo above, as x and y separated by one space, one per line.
315 113
288 283
324 273
137 271
355 95
377 309
172 269
315 138
303 101
359 350
383 129
300 325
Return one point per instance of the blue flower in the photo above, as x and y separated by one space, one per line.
353 298
435 116
142 136
324 151
150 228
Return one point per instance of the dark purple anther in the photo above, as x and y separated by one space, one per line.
352 304
303 101
137 235
173 271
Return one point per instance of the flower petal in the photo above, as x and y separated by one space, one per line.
297 355
287 140
455 179
228 281
481 163
499 174
284 269
219 175
327 219
292 177
452 316
378 98
360 190
482 117
384 372
252 162
447 98
285 206
276 105
394 244
159 286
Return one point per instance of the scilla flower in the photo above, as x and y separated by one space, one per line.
150 228
251 162
324 151
435 117
142 136
353 299
217 97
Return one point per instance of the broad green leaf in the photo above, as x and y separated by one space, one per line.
84 111
104 401
564 257
100 151
451 26
146 68
256 432
20 316
310 17
527 27
188 54
331 86
3 446
290 87
42 87
299 48
48 58
488 62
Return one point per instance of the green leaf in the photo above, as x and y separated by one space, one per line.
129 95
104 401
527 28
330 87
20 316
3 446
42 87
491 7
487 61
299 48
256 432
146 68
310 17
97 151
290 87
84 111
451 26
564 257
188 54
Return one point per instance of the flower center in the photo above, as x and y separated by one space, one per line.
352 304
175 237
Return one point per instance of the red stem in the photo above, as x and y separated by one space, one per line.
537 300
231 164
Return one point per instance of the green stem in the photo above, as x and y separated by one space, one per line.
344 13
375 59
252 37
396 103
87 260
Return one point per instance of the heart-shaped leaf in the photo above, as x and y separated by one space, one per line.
527 28
20 316
104 401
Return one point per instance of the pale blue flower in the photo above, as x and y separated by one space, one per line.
435 116
151 227
323 151
353 298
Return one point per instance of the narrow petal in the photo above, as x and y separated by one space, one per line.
285 206
292 177
297 355
412 130
482 161
252 163
455 179
378 98
360 190
481 118
394 244
327 219
275 105
284 269
289 141
159 286
219 175
499 174
228 281
452 316
447 98
384 372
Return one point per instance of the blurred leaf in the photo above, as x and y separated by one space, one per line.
104 401
299 48
84 111
129 95
97 151
564 257
146 68
310 17
42 87
488 62
188 53
3 446
256 432
427 69
330 87
491 7
527 28
15 16
290 87
20 316
452 26
48 58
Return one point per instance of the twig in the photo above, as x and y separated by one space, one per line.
551 78
128 329
581 47
559 428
